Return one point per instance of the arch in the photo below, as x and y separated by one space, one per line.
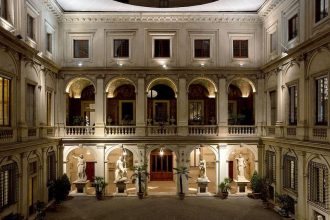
32 73
76 85
213 148
11 159
170 147
207 83
35 154
242 81
163 80
116 82
320 158
8 62
131 148
68 149
291 72
319 61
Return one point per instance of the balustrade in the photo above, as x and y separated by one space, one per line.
120 130
79 130
241 130
203 130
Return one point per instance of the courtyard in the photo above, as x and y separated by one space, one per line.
165 207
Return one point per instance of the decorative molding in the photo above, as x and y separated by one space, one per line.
54 8
159 18
268 7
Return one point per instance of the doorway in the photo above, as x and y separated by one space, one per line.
161 165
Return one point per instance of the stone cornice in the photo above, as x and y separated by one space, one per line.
268 7
54 8
146 17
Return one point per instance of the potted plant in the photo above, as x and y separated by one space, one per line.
99 185
224 187
140 174
181 171
62 188
256 185
286 203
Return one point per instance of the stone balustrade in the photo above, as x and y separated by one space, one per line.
120 130
79 130
242 130
164 130
203 130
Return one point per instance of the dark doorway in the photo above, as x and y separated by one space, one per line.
90 171
231 169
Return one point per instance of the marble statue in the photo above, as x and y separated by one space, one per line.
241 164
121 171
81 165
202 172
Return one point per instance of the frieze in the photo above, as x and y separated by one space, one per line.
159 18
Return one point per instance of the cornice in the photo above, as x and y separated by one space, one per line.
54 8
268 7
120 17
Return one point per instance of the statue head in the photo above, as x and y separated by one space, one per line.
81 156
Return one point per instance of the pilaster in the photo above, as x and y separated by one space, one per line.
223 107
182 108
99 110
279 170
302 187
140 107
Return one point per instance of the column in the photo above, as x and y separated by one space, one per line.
44 176
261 152
303 99
280 106
59 160
223 164
24 184
279 168
42 122
140 107
218 168
99 165
182 108
22 127
142 160
182 159
61 110
259 105
301 213
223 107
99 106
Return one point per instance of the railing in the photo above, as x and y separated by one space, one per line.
120 130
79 130
203 130
242 130
320 133
270 130
6 133
165 130
291 131
32 132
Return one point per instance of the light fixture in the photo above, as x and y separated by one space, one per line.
80 64
124 152
164 66
241 64
202 64
120 64
161 152
88 152
152 93
198 151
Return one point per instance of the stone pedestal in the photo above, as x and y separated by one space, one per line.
202 186
81 186
242 185
121 189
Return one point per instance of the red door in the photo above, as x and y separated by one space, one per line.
230 169
161 166
90 171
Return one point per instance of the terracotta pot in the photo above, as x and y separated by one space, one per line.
223 195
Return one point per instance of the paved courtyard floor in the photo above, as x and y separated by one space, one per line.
159 208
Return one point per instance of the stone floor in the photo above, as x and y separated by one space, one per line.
159 208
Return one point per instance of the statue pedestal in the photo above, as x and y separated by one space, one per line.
81 186
121 189
242 185
202 186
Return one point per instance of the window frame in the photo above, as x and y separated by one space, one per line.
154 48
12 185
208 56
71 36
293 27
9 102
293 102
324 120
80 49
270 159
27 111
198 102
317 10
128 48
290 180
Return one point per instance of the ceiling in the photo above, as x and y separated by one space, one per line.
114 6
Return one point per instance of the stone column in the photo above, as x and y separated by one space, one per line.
44 176
279 169
303 88
261 153
218 168
42 122
223 172
182 159
22 127
59 160
301 213
140 107
99 107
142 161
24 185
259 105
182 108
100 166
280 106
60 109
223 107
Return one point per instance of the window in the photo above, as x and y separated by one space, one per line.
162 48
30 105
293 105
49 42
290 172
321 9
270 166
322 101
30 27
240 49
49 108
4 101
195 111
121 48
293 27
51 168
273 107
318 183
8 184
202 48
273 42
80 48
